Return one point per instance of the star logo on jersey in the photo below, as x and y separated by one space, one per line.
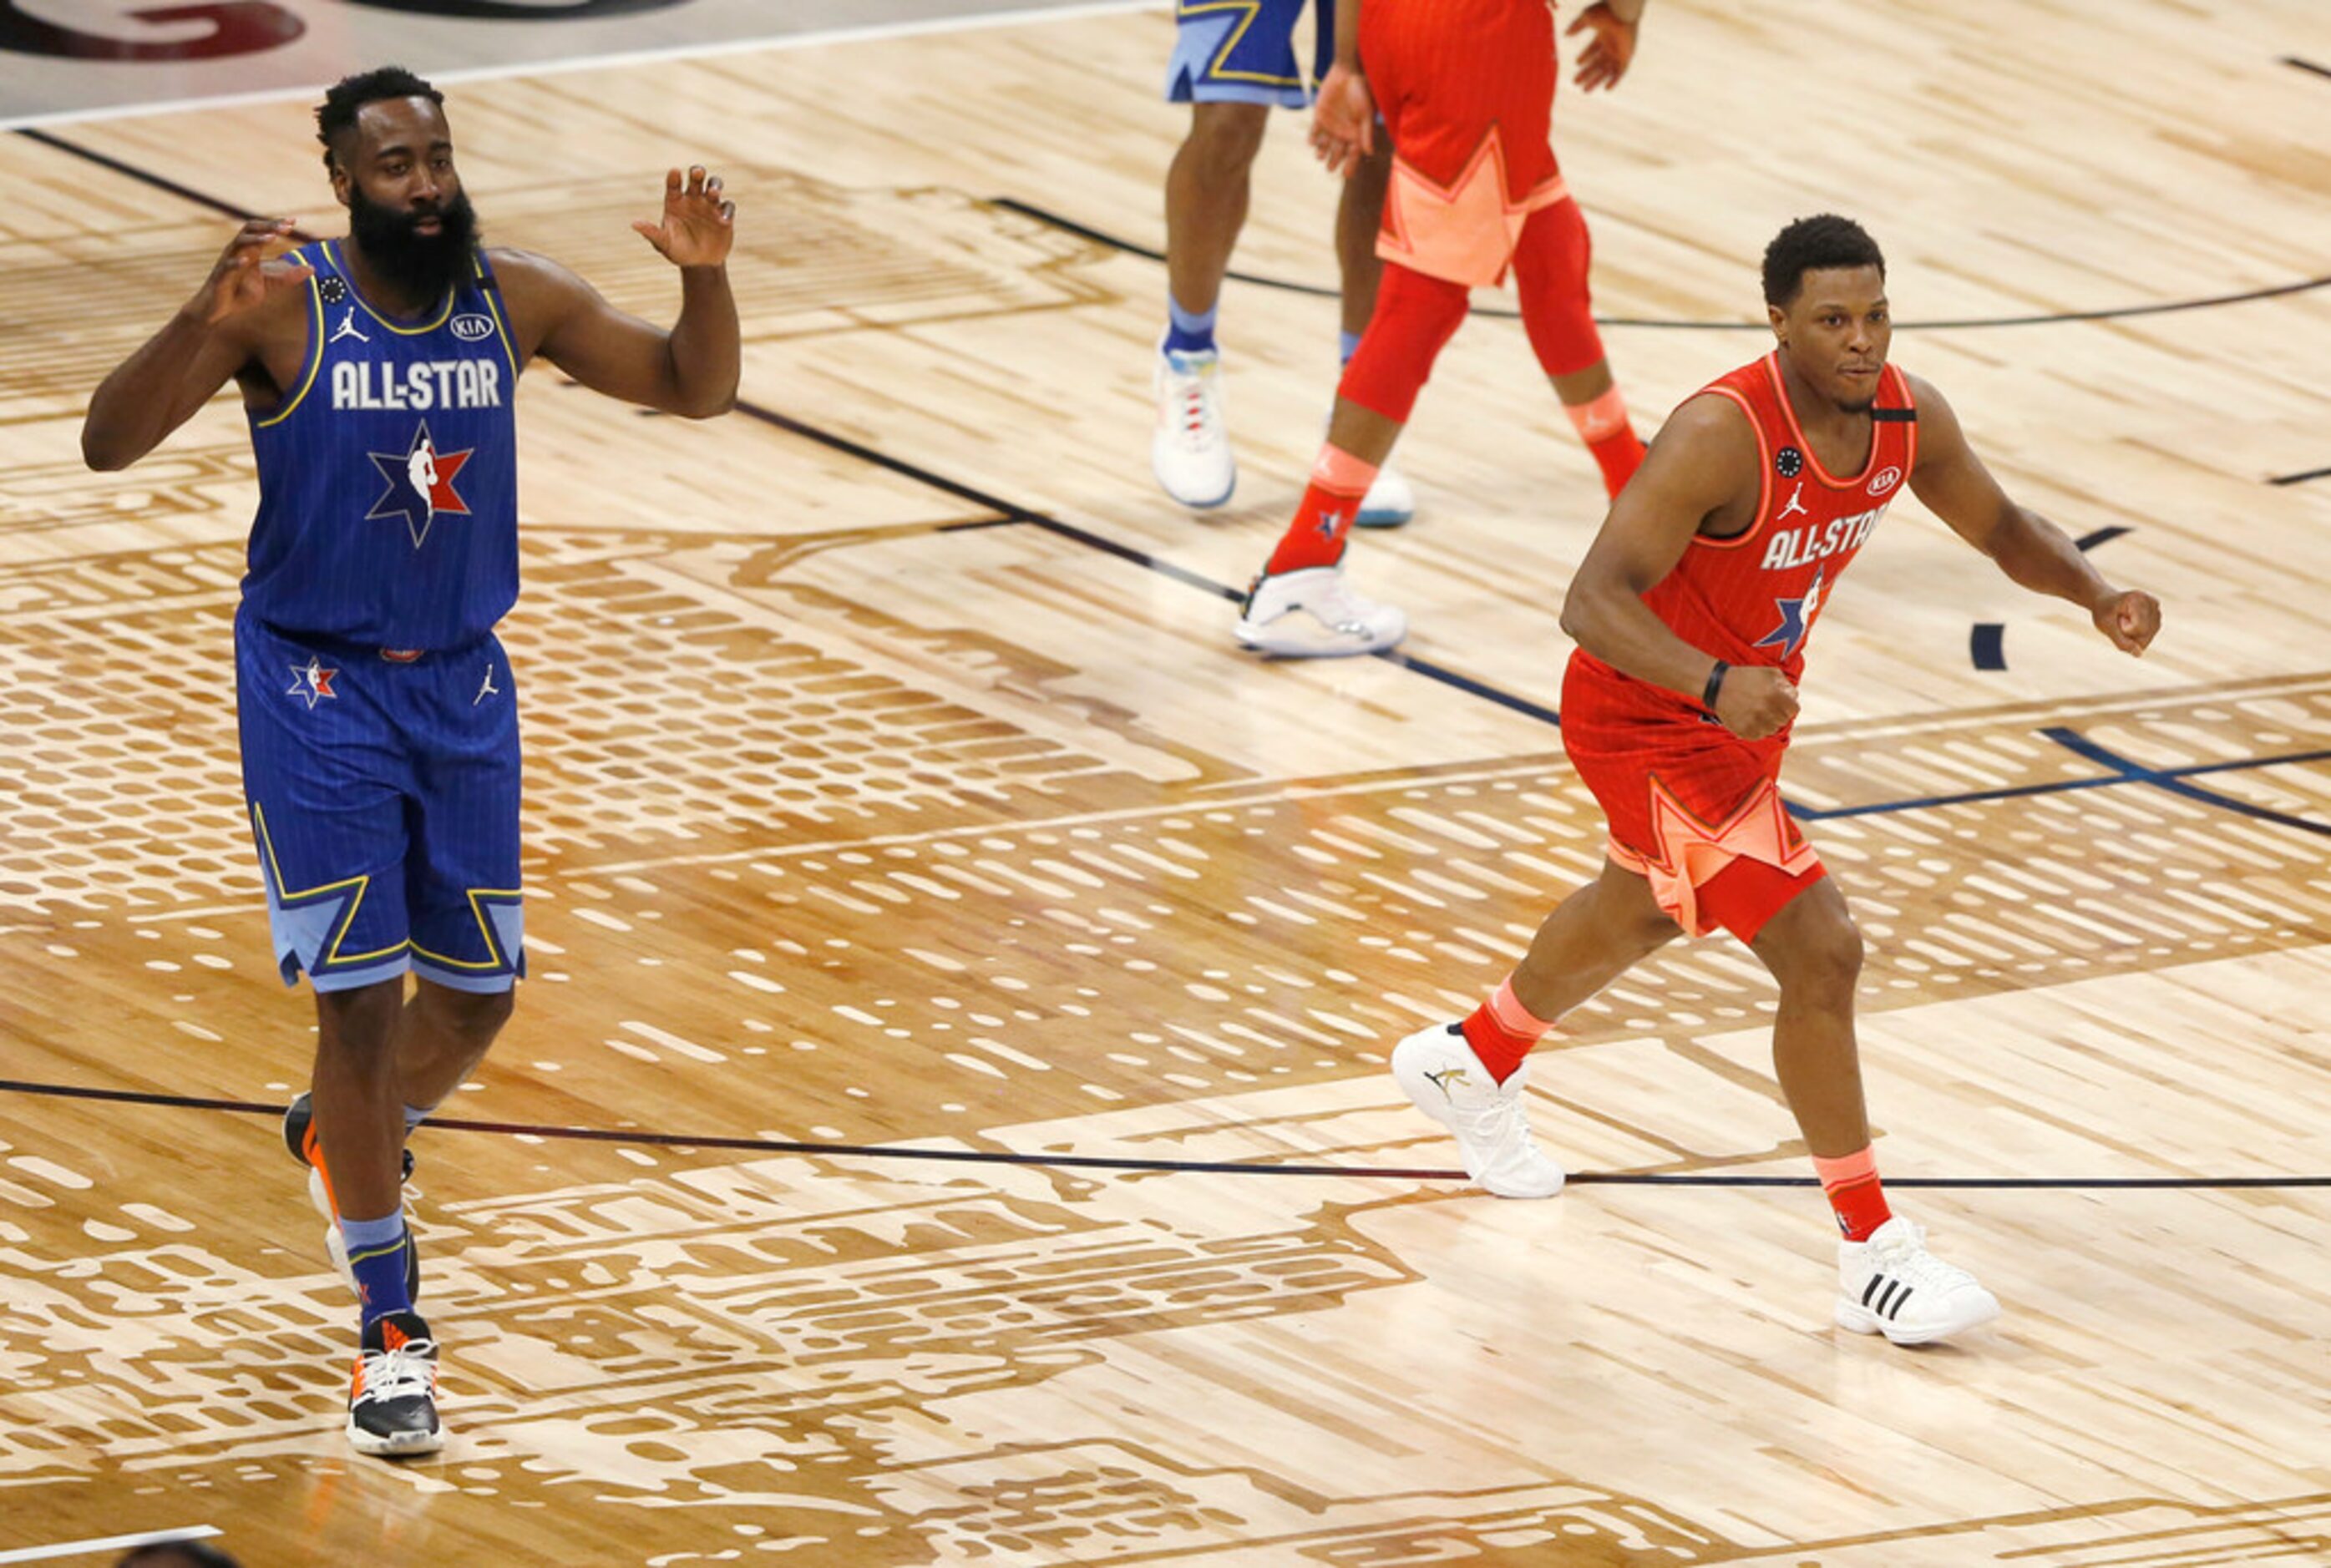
312 681
1789 462
420 481
1797 620
333 289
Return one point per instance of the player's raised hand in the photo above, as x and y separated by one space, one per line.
1609 53
697 226
249 270
2130 618
1344 120
1755 700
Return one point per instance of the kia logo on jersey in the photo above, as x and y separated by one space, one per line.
471 327
1885 479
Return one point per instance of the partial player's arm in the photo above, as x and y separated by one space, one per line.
693 368
1704 461
1614 25
1344 116
178 369
2036 553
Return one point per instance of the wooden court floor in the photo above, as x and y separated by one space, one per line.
946 1121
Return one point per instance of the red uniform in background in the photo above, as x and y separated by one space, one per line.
1687 798
1466 90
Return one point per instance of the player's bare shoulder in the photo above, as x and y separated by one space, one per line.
538 292
1710 448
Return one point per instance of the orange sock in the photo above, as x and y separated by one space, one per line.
1339 481
1501 1031
1854 1195
1602 424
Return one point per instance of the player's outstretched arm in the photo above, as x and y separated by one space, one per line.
2033 552
1705 457
178 369
692 369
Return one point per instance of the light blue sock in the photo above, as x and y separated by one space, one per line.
1190 331
376 1258
1346 343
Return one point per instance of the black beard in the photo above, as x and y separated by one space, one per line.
421 266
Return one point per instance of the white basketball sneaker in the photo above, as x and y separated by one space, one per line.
1437 1070
1390 500
1314 614
1891 1285
1190 449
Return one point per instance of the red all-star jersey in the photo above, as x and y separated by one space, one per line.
1754 598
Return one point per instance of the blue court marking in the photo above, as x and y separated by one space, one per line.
2173 779
1987 643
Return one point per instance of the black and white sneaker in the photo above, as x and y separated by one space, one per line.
299 1137
1891 1285
392 1404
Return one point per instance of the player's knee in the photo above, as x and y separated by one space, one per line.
1225 137
1822 955
360 1022
476 1017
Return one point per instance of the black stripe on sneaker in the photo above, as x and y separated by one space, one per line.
1900 1302
1871 1289
1885 1298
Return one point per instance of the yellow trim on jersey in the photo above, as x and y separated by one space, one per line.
489 288
1213 70
485 929
360 881
315 356
356 294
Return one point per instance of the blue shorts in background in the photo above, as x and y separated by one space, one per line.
384 796
1244 51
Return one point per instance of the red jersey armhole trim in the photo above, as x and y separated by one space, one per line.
1763 475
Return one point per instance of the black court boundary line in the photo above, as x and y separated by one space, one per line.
2114 313
2124 772
1186 1167
2305 474
2307 65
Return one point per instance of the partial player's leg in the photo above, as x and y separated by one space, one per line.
1299 605
1551 264
1390 501
1471 1077
1233 64
1888 1282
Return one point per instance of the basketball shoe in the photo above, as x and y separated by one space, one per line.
392 1402
1190 448
1390 500
1313 613
1891 1285
299 1137
1437 1069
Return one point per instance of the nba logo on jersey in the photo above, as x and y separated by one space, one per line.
420 484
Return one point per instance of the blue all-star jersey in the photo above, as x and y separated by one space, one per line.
387 477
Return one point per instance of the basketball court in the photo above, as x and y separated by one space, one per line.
946 1121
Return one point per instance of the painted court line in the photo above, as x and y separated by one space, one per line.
107 1544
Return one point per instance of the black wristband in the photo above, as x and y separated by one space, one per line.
1715 684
